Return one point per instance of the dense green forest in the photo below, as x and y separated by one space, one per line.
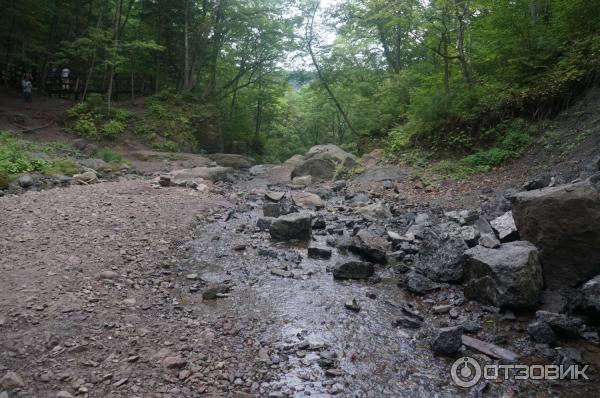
271 78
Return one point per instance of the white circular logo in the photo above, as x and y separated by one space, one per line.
465 372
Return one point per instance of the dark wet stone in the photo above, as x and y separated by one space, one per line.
267 252
271 210
563 325
368 246
319 223
470 327
447 341
264 223
442 260
420 284
296 226
319 253
353 270
541 332
408 322
215 292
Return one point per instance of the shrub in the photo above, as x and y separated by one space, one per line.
77 110
398 140
108 155
166 146
85 126
112 128
122 115
14 157
95 101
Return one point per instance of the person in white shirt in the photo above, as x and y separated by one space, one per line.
66 81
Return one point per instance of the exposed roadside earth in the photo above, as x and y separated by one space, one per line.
128 289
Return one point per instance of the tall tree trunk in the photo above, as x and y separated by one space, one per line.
186 45
533 8
309 40
111 75
132 87
259 107
446 64
461 12
209 92
92 64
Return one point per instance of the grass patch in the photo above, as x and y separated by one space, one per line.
108 155
62 167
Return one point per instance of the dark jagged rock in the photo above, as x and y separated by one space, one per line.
420 284
264 223
563 325
272 210
589 297
447 341
408 322
353 270
369 246
296 226
541 332
321 253
442 260
505 228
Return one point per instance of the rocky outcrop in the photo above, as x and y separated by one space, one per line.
322 161
318 169
564 223
509 276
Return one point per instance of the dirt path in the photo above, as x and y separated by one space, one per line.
104 294
89 296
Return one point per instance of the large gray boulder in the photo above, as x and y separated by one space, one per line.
318 169
322 161
334 153
296 226
509 276
564 223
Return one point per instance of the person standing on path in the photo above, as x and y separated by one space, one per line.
66 78
26 88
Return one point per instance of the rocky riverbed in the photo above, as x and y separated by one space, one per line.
246 284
